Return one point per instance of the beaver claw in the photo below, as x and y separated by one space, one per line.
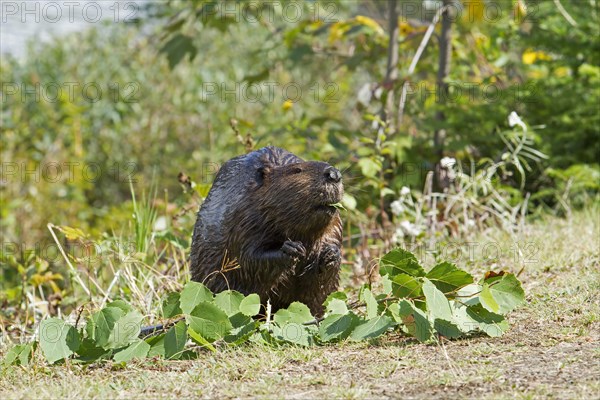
331 257
294 250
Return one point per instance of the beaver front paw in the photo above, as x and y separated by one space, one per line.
330 257
293 251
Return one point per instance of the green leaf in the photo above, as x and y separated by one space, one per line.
125 331
250 305
209 321
371 328
297 312
469 294
502 295
138 349
58 340
90 351
157 345
446 328
196 337
437 304
447 277
293 332
123 305
406 286
175 339
170 305
193 293
336 303
337 326
243 328
229 301
416 321
493 325
101 324
177 48
369 167
371 302
399 261
19 354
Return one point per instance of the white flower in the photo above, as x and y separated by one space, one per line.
160 224
404 191
398 235
447 162
409 228
469 222
397 207
514 119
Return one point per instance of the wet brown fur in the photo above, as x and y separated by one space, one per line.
267 227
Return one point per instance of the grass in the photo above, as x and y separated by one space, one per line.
552 349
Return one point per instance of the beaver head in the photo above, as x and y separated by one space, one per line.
298 197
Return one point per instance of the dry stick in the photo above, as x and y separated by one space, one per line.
564 13
114 281
73 270
415 60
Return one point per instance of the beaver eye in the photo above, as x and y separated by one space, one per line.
296 170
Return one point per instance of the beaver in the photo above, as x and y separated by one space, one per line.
268 226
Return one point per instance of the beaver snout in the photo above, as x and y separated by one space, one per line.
332 174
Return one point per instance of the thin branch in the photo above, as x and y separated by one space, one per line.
564 13
416 58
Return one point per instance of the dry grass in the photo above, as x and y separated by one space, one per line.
552 349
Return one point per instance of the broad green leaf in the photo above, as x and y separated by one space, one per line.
437 304
371 302
491 324
101 324
123 305
193 293
90 351
446 328
387 284
58 340
406 286
337 326
336 303
293 332
19 354
502 295
229 301
250 305
175 339
196 337
416 321
243 328
371 328
447 277
369 167
209 321
170 305
297 312
469 294
125 331
138 349
157 345
399 261
177 48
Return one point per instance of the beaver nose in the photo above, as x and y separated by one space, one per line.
332 174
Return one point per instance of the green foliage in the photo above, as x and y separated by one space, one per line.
445 302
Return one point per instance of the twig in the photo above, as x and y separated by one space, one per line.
73 270
564 13
415 60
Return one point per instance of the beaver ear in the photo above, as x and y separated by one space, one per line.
262 173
